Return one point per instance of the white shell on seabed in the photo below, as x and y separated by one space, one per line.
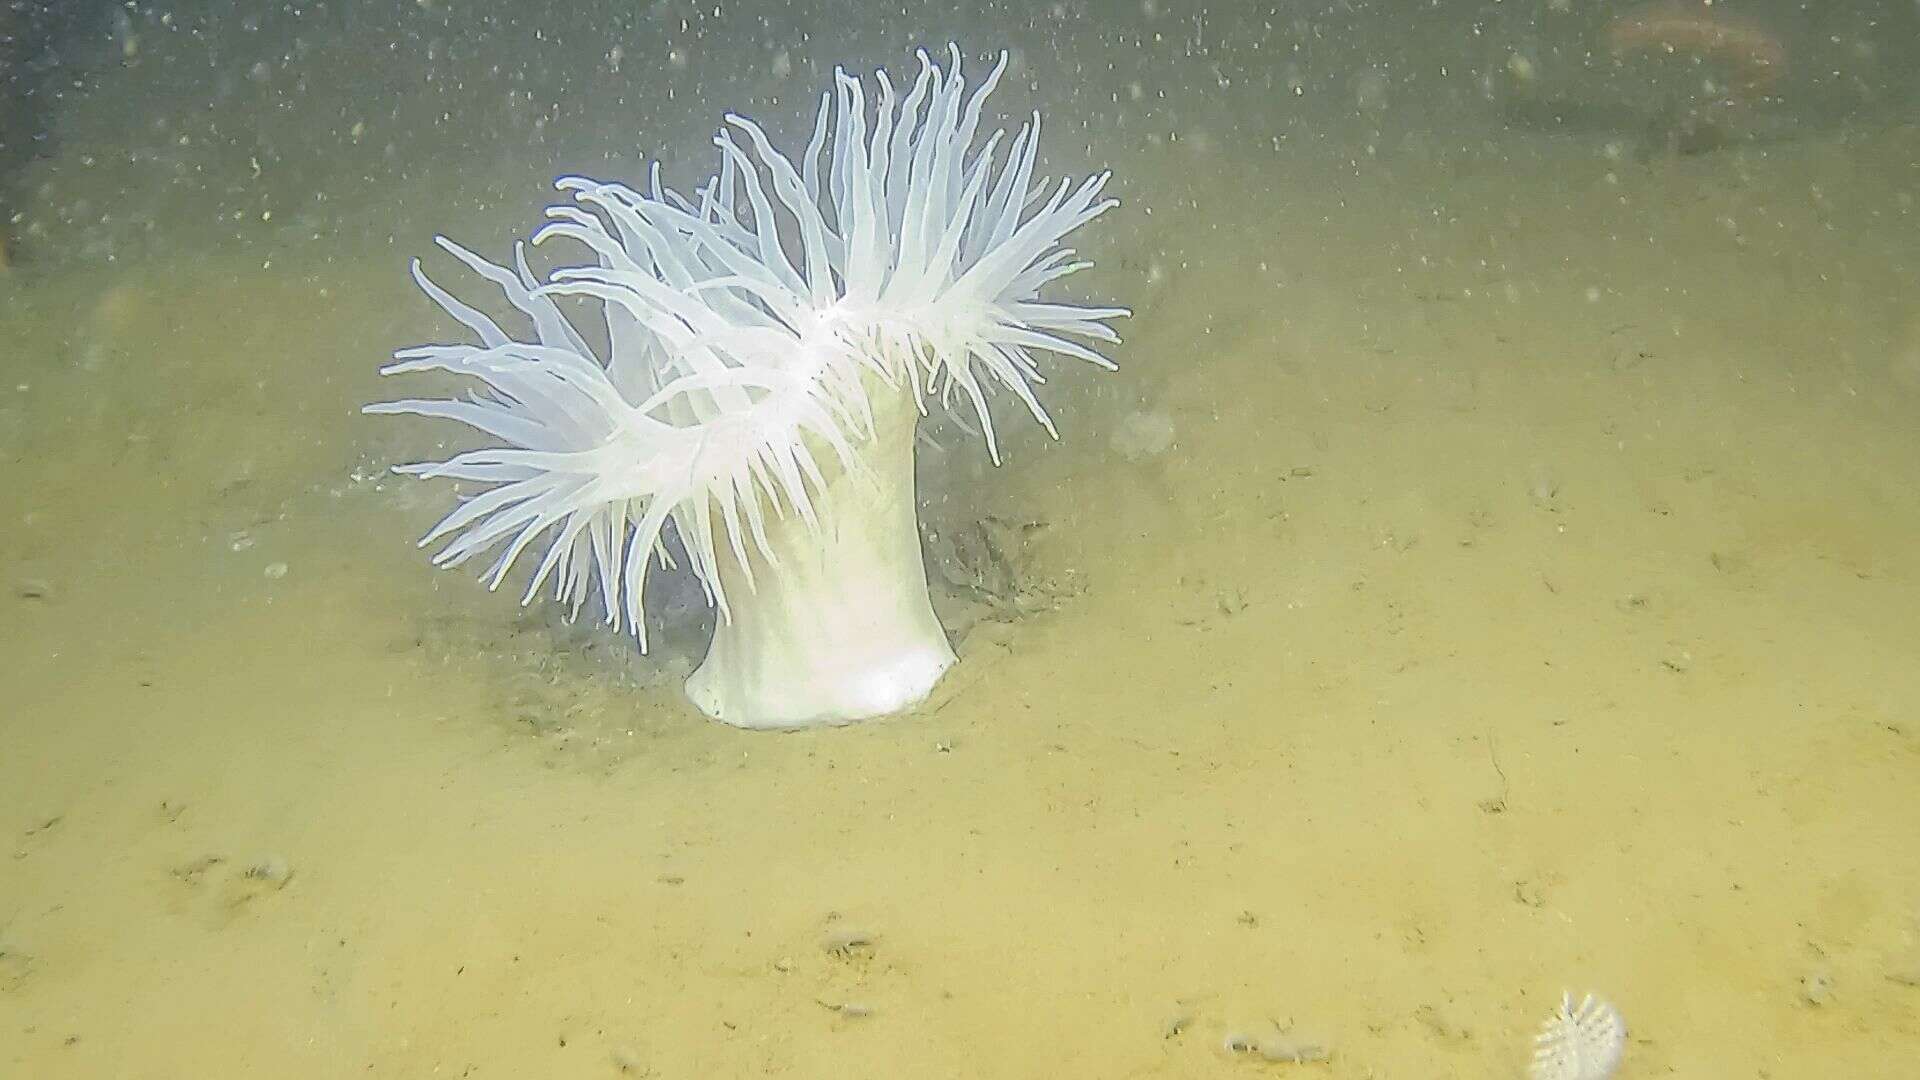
1579 1043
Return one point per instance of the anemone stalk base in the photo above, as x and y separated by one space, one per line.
842 629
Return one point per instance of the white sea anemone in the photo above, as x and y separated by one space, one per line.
1579 1042
772 343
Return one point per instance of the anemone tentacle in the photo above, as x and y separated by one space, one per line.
748 328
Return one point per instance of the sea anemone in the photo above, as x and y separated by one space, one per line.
1579 1042
770 347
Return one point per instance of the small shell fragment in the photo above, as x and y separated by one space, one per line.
848 941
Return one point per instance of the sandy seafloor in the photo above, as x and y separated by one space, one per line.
1529 601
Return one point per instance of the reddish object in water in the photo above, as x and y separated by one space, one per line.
1752 55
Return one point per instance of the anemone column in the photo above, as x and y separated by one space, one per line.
840 628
